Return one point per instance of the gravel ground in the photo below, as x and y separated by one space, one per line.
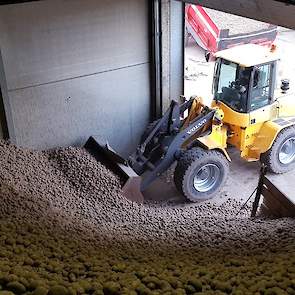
236 24
66 228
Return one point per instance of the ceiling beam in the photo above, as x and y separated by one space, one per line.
279 12
5 2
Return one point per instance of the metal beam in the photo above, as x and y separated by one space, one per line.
5 2
156 58
279 12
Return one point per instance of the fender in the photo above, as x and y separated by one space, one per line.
268 134
216 140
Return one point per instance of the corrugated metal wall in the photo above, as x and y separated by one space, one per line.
76 68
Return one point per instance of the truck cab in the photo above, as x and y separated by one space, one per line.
244 88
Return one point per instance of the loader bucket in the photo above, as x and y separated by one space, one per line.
118 165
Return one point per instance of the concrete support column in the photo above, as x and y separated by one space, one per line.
165 52
172 26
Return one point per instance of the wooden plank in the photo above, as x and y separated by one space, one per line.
276 207
280 196
272 203
270 11
265 211
285 183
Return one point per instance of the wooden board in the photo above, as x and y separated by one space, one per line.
278 201
283 183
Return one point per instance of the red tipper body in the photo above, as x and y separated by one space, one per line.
205 28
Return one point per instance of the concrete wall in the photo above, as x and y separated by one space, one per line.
76 68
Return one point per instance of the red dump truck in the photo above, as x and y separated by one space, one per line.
215 30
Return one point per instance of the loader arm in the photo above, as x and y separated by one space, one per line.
164 144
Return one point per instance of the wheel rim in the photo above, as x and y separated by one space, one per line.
206 177
287 151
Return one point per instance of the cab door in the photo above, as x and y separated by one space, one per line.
262 106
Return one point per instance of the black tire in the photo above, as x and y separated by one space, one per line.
272 157
148 130
190 164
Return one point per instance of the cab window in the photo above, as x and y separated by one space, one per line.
260 95
227 75
232 84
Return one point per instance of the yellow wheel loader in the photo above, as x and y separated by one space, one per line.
247 112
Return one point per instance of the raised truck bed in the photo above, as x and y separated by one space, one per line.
215 30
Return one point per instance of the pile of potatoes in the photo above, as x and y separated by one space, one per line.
65 229
36 261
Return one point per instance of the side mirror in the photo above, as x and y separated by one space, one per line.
285 86
209 56
214 78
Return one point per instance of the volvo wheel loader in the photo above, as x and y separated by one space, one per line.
247 112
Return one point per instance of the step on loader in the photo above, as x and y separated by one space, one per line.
247 112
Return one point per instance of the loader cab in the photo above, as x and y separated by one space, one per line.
244 89
244 78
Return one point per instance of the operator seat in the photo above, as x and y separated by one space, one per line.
235 99
230 95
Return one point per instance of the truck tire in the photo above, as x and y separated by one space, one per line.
280 158
199 173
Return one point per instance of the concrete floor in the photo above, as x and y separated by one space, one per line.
243 178
242 181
